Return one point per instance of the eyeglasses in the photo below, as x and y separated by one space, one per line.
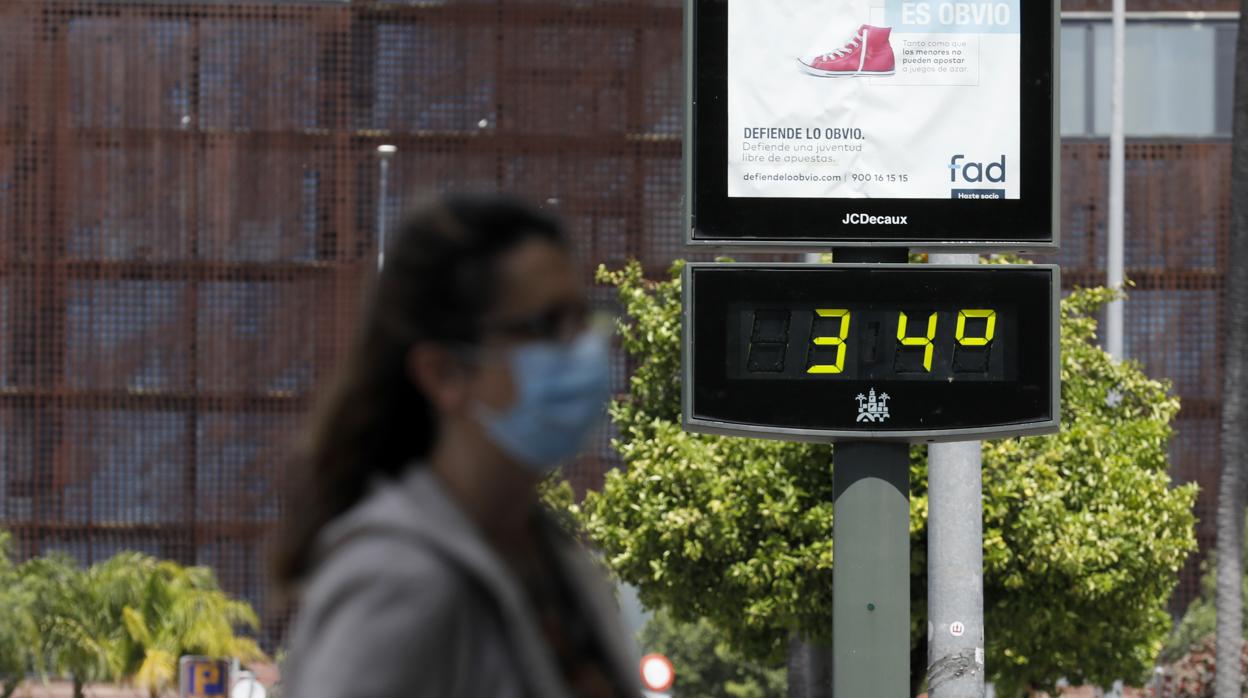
561 323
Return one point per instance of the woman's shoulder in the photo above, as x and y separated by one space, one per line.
378 571
377 542
379 553
404 533
385 607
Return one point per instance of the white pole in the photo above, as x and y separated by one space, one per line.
384 153
955 560
1117 174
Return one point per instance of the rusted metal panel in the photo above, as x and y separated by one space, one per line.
188 206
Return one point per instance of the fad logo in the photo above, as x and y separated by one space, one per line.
975 171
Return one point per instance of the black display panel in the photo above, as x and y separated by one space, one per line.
890 351
767 181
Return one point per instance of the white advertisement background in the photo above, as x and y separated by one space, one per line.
911 129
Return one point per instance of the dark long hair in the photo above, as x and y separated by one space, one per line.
439 279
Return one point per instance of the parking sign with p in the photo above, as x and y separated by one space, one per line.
200 677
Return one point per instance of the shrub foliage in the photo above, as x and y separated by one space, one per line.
1084 533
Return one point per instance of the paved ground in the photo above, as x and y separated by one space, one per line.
267 674
1086 692
63 689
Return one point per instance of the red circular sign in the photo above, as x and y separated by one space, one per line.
657 673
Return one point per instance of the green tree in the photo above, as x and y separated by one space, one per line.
130 617
171 611
19 631
706 666
79 637
1083 533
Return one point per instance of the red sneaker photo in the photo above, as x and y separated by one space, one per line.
868 54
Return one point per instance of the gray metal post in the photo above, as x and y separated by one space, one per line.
955 561
871 574
810 663
810 669
384 153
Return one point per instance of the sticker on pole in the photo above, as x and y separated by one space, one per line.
956 629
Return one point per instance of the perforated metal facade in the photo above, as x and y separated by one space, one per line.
189 195
1177 220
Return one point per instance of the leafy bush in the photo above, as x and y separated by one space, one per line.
1200 619
1192 675
705 665
1083 533
1189 658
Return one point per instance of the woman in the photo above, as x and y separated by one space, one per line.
423 560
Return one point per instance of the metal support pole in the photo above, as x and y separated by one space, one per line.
810 669
1117 186
871 574
384 153
810 663
955 561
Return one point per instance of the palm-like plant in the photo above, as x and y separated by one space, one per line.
78 635
131 616
177 611
19 631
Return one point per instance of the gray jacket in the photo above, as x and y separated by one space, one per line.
409 600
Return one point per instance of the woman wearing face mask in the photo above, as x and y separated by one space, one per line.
414 537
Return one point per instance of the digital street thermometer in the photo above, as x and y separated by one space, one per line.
878 351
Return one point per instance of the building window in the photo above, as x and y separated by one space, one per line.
1179 77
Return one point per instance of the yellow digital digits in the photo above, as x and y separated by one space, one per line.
837 341
989 331
925 342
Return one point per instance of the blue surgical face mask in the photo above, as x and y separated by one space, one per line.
561 393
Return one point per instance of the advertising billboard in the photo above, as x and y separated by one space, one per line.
917 122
